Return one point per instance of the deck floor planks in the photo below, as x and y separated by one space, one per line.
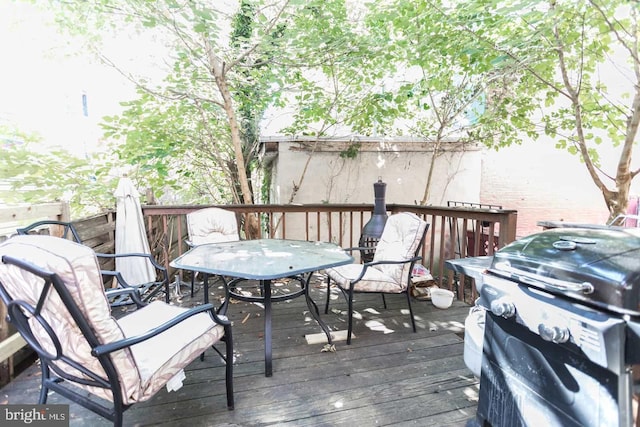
397 378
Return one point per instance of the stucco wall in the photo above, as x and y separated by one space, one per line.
402 164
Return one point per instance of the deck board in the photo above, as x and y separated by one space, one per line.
396 378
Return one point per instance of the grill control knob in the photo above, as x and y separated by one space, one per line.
503 307
554 334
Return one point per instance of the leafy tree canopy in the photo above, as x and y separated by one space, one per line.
495 72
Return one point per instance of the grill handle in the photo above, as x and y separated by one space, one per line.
505 270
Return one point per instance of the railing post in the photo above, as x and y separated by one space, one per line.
507 229
65 212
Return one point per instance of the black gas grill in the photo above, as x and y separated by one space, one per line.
562 330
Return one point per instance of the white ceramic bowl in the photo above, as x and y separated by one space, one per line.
441 298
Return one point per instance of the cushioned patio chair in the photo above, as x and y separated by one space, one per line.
147 291
210 225
55 298
390 270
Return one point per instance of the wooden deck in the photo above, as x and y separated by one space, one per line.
387 376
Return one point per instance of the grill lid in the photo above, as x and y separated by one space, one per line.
597 266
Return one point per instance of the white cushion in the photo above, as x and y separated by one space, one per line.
212 225
400 239
161 357
373 281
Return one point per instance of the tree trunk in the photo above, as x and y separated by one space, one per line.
217 67
427 187
617 201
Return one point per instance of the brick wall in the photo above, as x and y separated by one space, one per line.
543 184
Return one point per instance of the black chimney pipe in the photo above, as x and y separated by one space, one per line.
372 230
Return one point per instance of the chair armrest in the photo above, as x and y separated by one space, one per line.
124 286
128 342
118 277
161 279
372 263
159 267
134 293
359 248
140 255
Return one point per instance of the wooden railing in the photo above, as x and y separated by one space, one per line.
12 217
454 232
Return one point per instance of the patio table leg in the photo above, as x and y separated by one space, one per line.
313 308
266 285
206 288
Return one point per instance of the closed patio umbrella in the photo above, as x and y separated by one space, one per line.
131 236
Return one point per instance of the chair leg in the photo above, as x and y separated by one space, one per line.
350 308
167 292
413 320
193 282
326 306
225 304
44 390
205 286
229 366
118 419
384 301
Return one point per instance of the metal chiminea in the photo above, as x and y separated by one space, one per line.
372 230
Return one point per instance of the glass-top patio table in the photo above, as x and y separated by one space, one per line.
265 260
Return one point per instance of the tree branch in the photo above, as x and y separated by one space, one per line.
240 58
574 96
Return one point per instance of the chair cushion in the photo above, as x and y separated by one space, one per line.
211 225
373 280
78 268
401 237
161 357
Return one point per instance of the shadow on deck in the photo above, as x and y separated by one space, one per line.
387 376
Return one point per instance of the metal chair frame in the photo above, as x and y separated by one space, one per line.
20 313
67 226
349 293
